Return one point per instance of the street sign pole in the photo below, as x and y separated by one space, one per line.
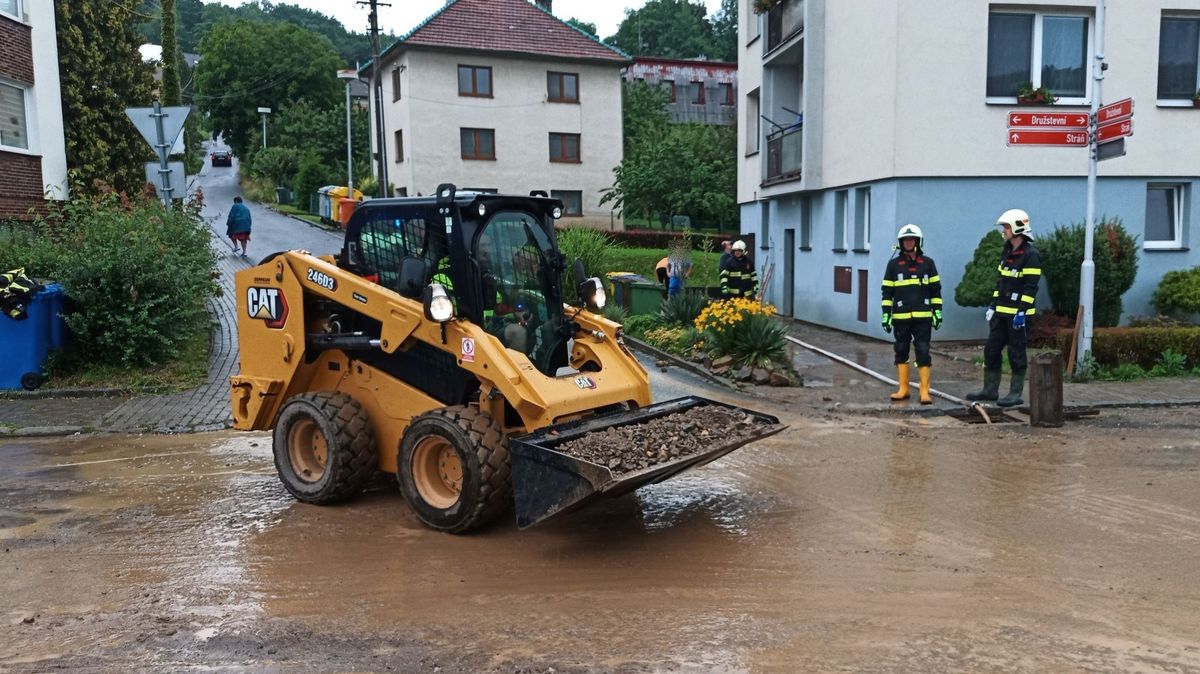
163 148
1087 272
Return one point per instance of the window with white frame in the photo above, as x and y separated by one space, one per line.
1164 216
1178 58
14 116
841 220
11 7
862 218
1043 49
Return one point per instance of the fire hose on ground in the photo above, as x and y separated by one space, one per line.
968 405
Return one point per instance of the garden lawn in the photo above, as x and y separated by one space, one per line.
642 261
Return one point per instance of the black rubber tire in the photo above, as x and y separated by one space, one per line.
32 380
482 449
348 436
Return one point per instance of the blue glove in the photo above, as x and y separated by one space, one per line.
887 323
937 318
1019 321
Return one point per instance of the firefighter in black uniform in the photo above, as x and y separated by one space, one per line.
738 278
1012 301
912 306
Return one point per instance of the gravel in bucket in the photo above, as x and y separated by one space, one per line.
633 447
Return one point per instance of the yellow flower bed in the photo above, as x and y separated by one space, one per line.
723 315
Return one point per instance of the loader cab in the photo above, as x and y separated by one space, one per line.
496 254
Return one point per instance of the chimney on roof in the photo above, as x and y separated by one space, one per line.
544 4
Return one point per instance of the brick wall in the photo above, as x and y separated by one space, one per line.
22 185
16 51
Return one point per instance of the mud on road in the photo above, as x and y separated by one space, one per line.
844 543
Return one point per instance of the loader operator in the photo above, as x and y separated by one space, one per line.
505 321
1012 301
912 306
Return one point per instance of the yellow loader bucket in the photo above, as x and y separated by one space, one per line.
548 480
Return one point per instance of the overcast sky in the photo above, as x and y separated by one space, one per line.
403 15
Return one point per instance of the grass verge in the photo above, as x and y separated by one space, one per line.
182 374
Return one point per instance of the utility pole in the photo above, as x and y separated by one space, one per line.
377 95
1087 272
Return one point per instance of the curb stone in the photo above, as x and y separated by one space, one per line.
681 363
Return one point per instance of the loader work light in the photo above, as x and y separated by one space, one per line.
592 293
438 306
557 212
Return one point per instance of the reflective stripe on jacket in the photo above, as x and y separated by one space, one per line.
912 288
1017 285
738 278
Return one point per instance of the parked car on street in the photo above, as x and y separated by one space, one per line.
222 158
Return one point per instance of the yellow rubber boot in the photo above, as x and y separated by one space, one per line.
925 372
902 376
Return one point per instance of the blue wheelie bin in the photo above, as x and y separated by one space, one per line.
25 344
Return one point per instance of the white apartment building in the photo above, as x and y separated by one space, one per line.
859 117
499 95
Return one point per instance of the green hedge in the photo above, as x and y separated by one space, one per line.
1178 292
1143 346
1114 253
137 276
979 275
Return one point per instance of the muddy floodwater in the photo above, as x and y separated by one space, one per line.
844 543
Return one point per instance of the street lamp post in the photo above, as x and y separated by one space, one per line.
348 75
264 112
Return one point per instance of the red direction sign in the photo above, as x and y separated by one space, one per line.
1030 119
1115 111
1107 132
1054 138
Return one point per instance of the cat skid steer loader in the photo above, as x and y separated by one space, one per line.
436 345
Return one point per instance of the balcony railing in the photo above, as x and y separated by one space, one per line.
784 20
784 150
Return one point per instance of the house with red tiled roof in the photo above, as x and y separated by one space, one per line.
501 95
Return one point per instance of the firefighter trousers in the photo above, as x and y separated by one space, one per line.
917 331
1001 333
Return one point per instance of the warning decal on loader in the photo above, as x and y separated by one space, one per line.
468 350
268 305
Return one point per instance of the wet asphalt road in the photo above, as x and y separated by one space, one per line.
271 232
846 543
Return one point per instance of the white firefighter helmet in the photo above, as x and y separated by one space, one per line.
739 245
910 231
1018 220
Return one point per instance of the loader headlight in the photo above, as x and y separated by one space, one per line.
592 293
438 305
557 212
482 210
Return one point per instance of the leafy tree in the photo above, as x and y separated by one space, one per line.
196 17
725 28
690 169
589 28
248 64
667 29
277 163
1114 253
99 79
304 125
979 277
170 55
643 112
